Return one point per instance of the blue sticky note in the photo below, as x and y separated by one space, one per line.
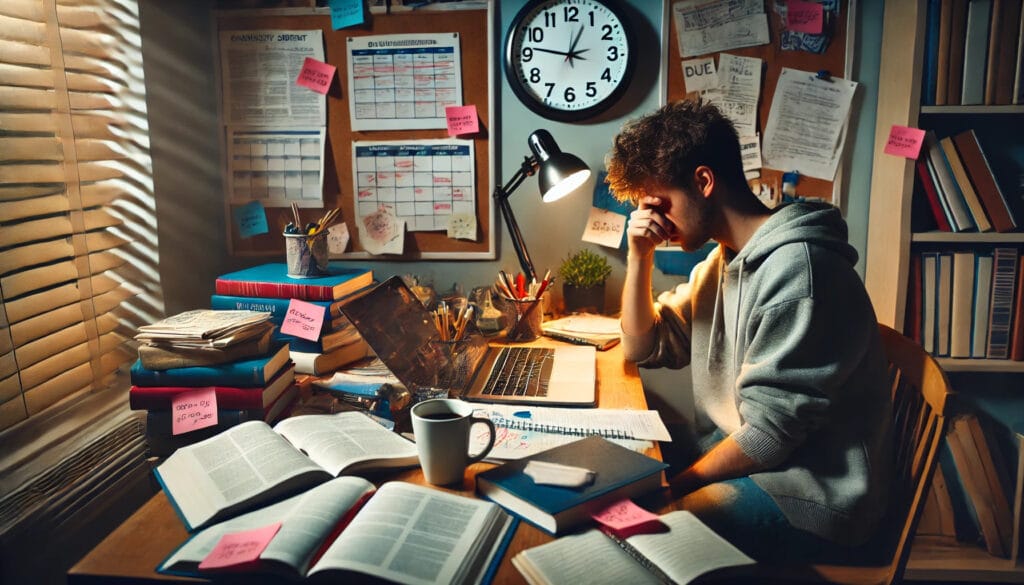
346 13
604 199
250 219
672 260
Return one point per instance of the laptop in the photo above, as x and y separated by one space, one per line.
401 331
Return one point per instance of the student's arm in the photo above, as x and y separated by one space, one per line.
646 230
726 460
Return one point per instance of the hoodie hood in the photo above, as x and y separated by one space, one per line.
814 223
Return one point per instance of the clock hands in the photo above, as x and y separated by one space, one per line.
572 48
575 55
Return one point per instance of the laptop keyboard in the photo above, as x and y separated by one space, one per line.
520 371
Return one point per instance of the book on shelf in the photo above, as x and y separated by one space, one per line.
1017 327
272 281
944 45
347 530
980 173
1018 500
959 173
165 357
981 303
957 31
161 440
945 184
684 551
1004 278
929 294
932 40
1002 52
244 373
960 329
1018 74
229 397
975 52
257 463
620 473
912 321
938 207
319 364
944 299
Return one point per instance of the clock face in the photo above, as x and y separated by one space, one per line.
569 59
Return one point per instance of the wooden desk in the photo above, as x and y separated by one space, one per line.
134 549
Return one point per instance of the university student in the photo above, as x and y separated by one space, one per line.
788 370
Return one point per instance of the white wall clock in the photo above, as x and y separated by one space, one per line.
569 60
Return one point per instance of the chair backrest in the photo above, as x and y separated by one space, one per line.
920 393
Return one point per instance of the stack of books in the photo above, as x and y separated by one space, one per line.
231 354
268 288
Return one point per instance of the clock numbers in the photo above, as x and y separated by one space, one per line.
572 14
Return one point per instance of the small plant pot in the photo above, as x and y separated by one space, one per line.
589 299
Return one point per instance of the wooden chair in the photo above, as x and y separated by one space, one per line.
920 393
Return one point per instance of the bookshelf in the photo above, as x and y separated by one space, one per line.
891 242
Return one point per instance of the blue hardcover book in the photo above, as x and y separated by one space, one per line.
272 280
277 308
930 75
245 373
619 473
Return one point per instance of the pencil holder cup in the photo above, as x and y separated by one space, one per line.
307 256
527 316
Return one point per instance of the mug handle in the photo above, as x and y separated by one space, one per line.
490 442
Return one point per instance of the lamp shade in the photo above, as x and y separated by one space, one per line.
558 173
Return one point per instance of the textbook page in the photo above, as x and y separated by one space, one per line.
689 549
418 535
579 558
307 520
347 441
240 466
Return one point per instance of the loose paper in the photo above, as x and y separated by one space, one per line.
382 233
710 26
316 75
904 141
337 238
604 227
193 410
346 13
403 82
807 124
700 74
738 91
238 548
250 219
750 151
303 320
275 167
259 69
462 120
805 17
624 516
462 226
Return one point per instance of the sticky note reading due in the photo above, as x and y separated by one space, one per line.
239 548
303 320
316 75
193 410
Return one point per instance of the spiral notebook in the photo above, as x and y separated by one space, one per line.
609 423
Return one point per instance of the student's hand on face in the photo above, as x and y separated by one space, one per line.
648 227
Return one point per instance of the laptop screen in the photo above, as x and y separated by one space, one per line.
401 331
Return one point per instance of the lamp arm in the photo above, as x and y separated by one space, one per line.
501 195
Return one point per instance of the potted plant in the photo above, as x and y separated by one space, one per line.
583 276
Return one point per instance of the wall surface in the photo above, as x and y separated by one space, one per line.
182 99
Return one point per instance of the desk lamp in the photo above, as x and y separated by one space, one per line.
560 173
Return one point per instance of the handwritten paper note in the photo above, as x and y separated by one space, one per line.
700 74
303 320
704 27
382 233
604 227
250 219
337 238
316 75
462 120
346 13
625 517
904 141
805 17
238 548
193 410
462 226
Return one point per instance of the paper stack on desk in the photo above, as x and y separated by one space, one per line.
586 329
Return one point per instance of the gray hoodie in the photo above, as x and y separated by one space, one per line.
784 350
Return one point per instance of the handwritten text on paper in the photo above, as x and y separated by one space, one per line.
316 75
237 548
193 410
805 17
904 141
462 120
303 320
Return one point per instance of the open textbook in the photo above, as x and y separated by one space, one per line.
682 551
252 463
344 529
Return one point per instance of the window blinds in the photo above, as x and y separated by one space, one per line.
78 251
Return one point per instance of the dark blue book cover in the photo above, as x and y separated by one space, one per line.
244 373
619 473
277 308
929 77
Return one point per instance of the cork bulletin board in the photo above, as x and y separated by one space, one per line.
475 30
774 59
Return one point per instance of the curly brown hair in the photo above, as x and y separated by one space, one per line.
664 148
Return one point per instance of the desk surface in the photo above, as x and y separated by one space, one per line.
134 549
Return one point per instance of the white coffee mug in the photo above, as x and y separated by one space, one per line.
442 428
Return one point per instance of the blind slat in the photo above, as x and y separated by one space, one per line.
57 388
23 98
23 54
14 192
23 10
32 231
13 411
38 253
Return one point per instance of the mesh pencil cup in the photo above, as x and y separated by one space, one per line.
526 319
307 256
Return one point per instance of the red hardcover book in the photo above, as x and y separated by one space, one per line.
912 319
984 181
272 281
228 397
933 195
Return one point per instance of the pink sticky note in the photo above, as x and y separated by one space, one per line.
303 320
624 517
193 410
904 141
239 548
316 75
805 17
462 120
